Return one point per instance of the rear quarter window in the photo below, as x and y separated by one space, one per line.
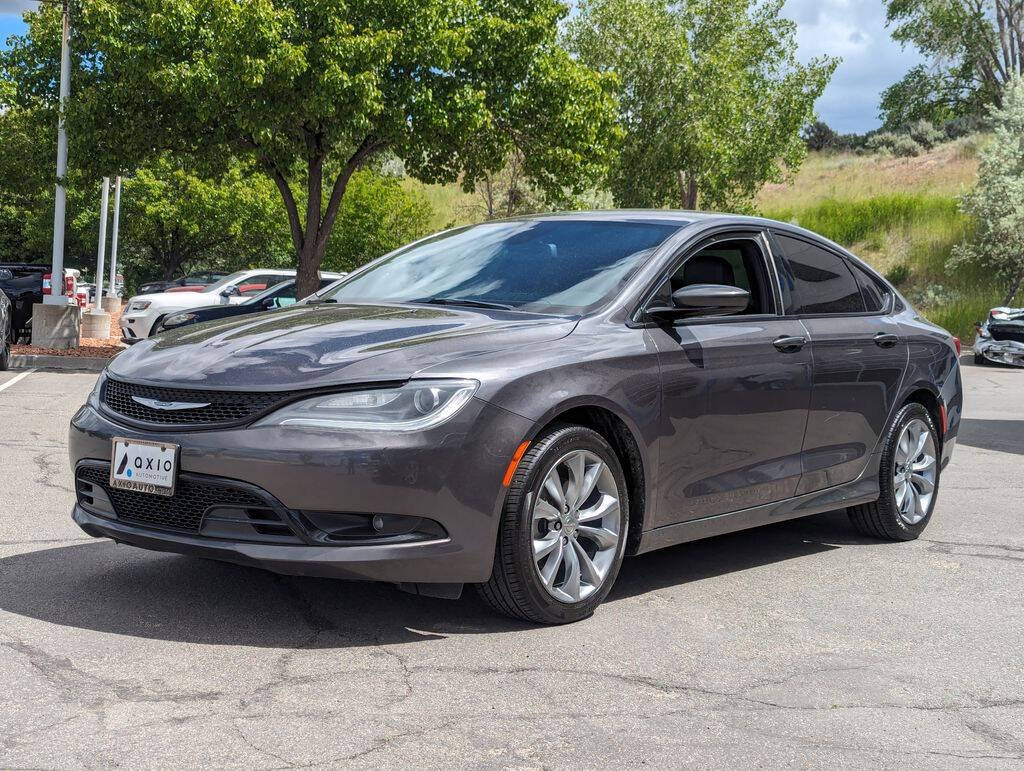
820 281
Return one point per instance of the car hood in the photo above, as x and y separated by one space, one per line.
309 346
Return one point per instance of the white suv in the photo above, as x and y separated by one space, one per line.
144 311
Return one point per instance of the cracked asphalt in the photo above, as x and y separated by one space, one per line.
800 644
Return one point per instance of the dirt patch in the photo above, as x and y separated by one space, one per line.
102 348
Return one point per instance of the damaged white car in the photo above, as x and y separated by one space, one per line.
1001 338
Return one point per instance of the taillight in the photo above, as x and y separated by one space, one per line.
959 347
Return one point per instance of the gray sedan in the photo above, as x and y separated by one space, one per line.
521 404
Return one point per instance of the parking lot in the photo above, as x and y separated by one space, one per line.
801 644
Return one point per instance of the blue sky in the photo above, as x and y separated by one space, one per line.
852 29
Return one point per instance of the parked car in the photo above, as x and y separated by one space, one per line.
280 296
6 331
22 283
520 404
1000 338
145 311
194 282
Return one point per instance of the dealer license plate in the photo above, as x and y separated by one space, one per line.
145 467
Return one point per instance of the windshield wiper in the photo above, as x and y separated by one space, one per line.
321 301
462 301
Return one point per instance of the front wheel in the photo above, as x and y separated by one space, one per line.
563 529
908 479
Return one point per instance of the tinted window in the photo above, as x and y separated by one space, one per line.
875 296
558 266
819 280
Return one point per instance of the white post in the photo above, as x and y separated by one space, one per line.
56 296
112 291
101 250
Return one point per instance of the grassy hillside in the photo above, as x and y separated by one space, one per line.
898 214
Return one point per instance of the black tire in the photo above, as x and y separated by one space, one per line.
5 350
980 360
515 587
881 519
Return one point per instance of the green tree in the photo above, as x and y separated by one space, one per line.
997 203
974 48
313 90
712 98
377 216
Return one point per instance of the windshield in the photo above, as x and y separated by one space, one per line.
546 266
231 279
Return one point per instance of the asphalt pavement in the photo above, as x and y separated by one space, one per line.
800 644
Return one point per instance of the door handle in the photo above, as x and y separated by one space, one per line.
886 340
788 344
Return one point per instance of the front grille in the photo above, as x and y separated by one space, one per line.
1007 333
182 511
222 407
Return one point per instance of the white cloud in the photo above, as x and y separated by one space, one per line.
854 30
16 6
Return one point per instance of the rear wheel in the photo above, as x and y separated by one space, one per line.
908 479
5 349
563 530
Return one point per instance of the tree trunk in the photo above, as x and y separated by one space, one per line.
307 278
687 190
1014 288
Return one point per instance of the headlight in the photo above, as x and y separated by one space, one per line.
416 406
177 320
139 305
94 396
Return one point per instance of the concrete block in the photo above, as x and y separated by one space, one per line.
95 324
56 326
111 304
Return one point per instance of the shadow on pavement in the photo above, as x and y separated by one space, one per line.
125 591
1000 435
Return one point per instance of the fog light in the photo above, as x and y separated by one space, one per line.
378 522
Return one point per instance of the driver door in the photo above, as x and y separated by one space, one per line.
735 390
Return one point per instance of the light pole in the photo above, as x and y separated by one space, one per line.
56 296
55 322
112 291
102 248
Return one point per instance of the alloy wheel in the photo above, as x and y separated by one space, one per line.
914 472
575 526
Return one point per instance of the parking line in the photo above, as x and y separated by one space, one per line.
16 378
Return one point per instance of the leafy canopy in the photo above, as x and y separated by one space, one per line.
997 203
973 47
311 90
712 98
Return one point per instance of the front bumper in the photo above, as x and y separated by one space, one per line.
137 325
1000 351
451 475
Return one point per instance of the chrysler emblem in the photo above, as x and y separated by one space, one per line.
156 404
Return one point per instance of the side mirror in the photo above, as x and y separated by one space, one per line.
5 274
704 300
230 291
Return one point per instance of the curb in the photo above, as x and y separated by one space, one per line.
63 363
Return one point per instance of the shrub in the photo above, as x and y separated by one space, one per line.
906 147
925 134
899 274
820 136
883 140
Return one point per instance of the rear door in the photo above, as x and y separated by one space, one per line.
735 390
858 355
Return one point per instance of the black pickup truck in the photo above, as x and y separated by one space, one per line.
23 285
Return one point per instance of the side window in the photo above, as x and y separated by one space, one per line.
256 284
738 262
821 281
876 296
